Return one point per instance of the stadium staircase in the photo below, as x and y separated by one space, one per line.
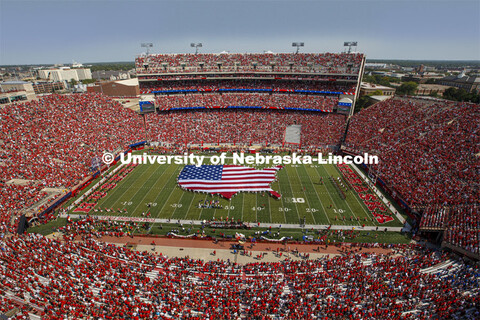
445 268
154 273
442 270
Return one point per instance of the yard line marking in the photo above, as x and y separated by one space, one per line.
171 192
358 222
362 205
147 193
319 199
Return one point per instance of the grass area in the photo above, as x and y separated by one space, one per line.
304 197
275 233
48 228
295 234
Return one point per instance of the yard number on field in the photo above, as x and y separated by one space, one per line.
295 200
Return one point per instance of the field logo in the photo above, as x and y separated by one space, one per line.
227 180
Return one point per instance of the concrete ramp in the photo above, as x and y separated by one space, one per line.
292 134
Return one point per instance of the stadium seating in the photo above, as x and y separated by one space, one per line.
237 62
253 84
419 145
264 100
244 127
429 155
88 278
463 228
51 143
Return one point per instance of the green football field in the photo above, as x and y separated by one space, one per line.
303 197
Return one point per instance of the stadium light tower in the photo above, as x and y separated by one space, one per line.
147 45
350 44
196 46
298 45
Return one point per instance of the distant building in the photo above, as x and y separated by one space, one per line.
48 87
111 75
80 88
375 99
426 89
65 74
423 78
397 75
84 74
121 88
371 65
13 91
77 65
381 73
369 88
469 83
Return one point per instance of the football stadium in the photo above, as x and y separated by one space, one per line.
103 217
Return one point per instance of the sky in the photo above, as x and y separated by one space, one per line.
62 31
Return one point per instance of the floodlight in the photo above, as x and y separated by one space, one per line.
147 45
350 44
298 45
196 46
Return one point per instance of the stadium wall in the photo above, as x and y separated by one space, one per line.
460 251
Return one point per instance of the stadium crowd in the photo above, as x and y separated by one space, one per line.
81 277
250 62
463 229
265 100
244 127
434 217
429 154
204 85
247 76
51 143
419 144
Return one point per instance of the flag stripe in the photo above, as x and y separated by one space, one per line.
232 176
216 190
229 181
204 184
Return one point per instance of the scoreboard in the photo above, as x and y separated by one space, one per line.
146 107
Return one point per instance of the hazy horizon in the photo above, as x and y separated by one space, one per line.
60 31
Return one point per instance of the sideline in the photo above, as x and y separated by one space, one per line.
380 195
221 250
253 225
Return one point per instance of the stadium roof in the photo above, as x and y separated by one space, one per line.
366 85
380 98
464 79
14 82
128 82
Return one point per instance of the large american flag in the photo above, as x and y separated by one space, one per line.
227 180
